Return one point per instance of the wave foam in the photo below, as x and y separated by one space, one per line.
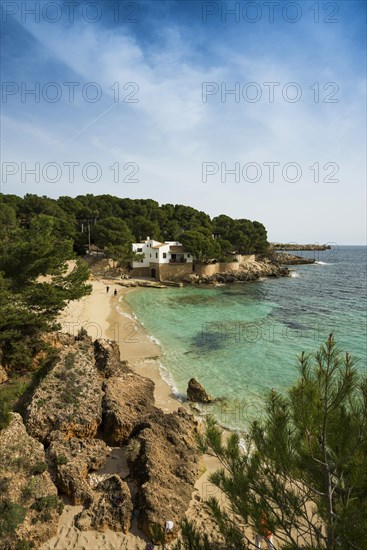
294 274
154 339
323 263
125 314
168 378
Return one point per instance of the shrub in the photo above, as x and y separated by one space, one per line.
45 505
39 468
11 516
82 333
4 415
61 459
69 360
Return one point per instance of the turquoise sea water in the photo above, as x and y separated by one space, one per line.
242 340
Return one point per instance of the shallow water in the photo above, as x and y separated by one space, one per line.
242 340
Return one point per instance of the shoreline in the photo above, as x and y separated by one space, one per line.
98 314
107 316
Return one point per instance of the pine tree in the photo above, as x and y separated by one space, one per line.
305 468
36 282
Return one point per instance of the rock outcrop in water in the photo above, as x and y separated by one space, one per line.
197 393
247 272
86 400
290 259
294 246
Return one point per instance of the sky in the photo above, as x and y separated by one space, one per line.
251 109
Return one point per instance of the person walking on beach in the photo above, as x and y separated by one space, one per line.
107 289
264 534
115 292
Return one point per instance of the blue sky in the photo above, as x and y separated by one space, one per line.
160 132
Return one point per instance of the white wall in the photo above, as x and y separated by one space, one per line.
156 255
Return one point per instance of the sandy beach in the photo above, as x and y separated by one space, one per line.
105 315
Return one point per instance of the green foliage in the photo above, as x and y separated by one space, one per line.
192 539
23 545
113 223
11 516
10 393
28 490
4 415
35 285
201 246
82 333
39 468
306 468
44 506
61 459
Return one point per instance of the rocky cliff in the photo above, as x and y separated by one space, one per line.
29 503
247 272
90 399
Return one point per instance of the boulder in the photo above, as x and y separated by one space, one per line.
72 461
128 399
110 508
196 392
165 470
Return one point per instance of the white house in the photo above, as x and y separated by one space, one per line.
161 258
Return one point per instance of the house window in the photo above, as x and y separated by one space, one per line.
164 255
140 250
156 254
150 255
188 255
141 261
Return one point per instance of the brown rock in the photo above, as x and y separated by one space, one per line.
25 482
128 398
3 375
107 357
69 397
110 508
165 470
72 460
196 392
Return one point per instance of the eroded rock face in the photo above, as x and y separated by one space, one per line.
196 392
165 470
72 460
248 272
110 508
128 399
3 375
28 495
69 397
107 357
87 395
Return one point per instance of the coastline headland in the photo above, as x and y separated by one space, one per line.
299 247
